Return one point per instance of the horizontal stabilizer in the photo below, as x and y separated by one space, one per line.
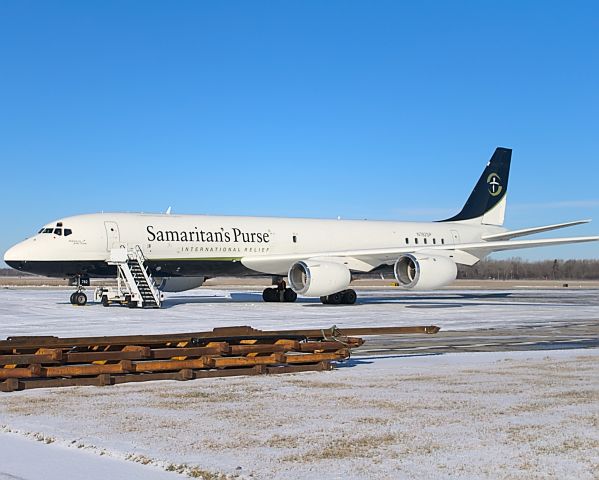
529 231
499 246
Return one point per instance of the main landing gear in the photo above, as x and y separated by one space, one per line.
279 294
79 298
346 297
283 294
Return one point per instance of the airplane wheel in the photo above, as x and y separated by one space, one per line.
324 300
349 297
335 298
80 299
289 295
72 299
270 295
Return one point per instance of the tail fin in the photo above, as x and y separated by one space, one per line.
486 203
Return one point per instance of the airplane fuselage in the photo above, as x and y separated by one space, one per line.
199 245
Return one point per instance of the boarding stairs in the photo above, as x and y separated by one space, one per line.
135 285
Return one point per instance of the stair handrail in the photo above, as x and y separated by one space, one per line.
140 253
149 278
142 257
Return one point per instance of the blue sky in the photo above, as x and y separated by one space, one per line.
382 110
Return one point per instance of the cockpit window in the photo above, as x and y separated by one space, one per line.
57 231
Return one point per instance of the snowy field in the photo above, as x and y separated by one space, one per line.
473 415
480 415
48 312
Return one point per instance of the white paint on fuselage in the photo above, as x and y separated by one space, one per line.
90 236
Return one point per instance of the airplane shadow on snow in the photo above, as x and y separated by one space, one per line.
235 297
429 301
356 361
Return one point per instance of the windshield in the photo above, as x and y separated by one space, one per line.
56 231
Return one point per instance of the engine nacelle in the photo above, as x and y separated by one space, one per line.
179 284
314 278
424 272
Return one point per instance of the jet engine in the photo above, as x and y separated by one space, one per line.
424 272
179 284
315 278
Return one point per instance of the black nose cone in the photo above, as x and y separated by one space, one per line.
16 264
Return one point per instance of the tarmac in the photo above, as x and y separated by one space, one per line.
574 334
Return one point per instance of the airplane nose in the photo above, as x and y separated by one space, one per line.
15 256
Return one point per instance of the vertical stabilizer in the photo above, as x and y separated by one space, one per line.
486 204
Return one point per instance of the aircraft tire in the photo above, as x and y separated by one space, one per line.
289 296
349 297
335 298
72 299
80 299
270 295
324 300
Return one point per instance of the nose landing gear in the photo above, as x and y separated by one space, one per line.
79 298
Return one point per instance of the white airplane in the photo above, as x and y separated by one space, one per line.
319 257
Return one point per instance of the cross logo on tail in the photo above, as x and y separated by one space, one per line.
494 182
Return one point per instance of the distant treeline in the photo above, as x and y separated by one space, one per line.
11 272
519 269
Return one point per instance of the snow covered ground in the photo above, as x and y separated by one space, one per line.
479 415
24 458
48 312
474 415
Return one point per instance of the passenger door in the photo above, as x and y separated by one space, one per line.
113 237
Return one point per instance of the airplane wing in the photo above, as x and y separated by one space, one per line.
365 260
530 231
